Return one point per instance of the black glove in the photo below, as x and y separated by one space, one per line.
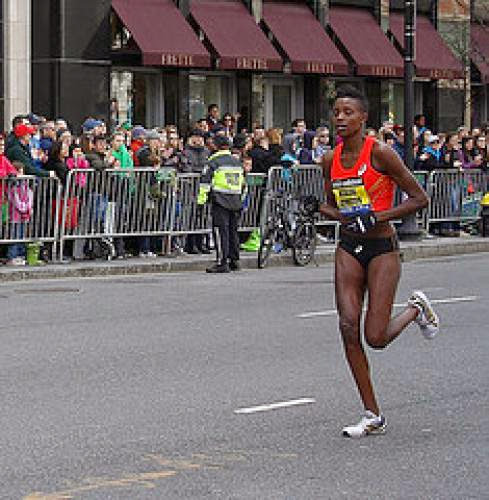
362 222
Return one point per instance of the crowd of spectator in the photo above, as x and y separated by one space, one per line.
49 148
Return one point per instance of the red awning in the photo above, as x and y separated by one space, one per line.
364 40
303 39
479 43
238 41
162 33
434 59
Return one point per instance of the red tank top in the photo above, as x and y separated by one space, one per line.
361 187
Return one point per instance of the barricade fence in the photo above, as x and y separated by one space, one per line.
117 203
30 209
455 196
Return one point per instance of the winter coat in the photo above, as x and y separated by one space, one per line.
400 150
6 168
136 146
289 143
434 160
146 158
124 158
178 161
97 161
21 153
59 168
79 163
261 160
197 158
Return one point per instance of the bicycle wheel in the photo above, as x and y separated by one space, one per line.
304 244
266 244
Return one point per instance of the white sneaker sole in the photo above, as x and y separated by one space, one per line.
430 330
376 431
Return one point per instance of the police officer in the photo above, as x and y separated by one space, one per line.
223 182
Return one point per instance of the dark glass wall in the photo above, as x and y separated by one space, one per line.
71 59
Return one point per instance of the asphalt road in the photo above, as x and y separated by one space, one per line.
127 388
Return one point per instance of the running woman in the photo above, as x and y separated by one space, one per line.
360 178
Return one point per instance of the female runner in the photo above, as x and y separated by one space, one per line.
361 175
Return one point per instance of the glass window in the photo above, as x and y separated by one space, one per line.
392 102
205 90
121 36
282 104
121 93
137 98
398 103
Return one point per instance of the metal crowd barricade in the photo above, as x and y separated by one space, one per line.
255 194
117 203
30 210
298 181
190 217
455 195
422 215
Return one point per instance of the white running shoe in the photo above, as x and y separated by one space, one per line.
370 424
427 319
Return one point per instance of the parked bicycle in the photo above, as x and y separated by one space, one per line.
290 225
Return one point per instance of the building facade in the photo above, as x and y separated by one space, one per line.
267 61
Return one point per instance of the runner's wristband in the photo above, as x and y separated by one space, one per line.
362 223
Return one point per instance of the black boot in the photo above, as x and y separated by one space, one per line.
204 250
218 269
234 265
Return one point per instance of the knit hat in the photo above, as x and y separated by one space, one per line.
138 132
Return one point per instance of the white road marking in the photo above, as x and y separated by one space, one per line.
449 300
275 406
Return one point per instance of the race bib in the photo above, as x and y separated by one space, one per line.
351 196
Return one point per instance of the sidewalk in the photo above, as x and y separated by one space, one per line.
433 247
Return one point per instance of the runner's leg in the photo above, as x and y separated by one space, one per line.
350 280
383 276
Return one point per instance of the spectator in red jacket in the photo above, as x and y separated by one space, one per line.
138 136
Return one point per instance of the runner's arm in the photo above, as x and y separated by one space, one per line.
388 162
329 208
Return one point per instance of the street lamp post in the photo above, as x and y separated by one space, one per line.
409 227
409 58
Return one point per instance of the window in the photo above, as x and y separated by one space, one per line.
205 90
121 36
121 93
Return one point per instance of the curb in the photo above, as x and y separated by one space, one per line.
54 271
